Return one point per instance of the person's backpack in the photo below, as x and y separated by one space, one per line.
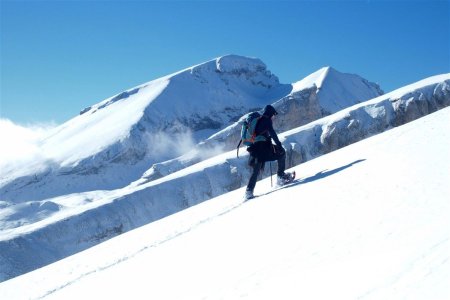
248 134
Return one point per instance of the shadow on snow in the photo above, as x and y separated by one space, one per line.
321 175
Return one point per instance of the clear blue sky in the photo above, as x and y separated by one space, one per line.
58 57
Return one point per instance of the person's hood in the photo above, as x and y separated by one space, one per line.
269 111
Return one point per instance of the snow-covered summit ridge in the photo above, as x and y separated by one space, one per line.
217 91
338 90
235 64
248 71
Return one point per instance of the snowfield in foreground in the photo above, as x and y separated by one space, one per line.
368 221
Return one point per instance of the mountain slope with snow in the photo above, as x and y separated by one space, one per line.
156 121
337 90
165 118
327 134
324 92
368 221
86 219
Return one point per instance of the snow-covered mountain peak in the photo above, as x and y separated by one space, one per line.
218 92
231 64
236 64
336 90
249 73
226 67
314 79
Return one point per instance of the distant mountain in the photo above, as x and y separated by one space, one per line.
114 142
153 122
336 91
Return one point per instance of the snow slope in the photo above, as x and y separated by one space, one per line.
54 228
368 221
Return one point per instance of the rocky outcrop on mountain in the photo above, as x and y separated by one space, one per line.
367 119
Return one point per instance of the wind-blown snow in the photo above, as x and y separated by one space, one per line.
20 142
72 143
87 134
368 221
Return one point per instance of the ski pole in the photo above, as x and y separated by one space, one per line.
271 184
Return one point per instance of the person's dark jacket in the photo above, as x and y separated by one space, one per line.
264 126
265 150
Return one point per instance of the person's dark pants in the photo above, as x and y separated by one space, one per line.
275 153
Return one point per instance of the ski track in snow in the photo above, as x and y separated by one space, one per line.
440 247
153 245
193 227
